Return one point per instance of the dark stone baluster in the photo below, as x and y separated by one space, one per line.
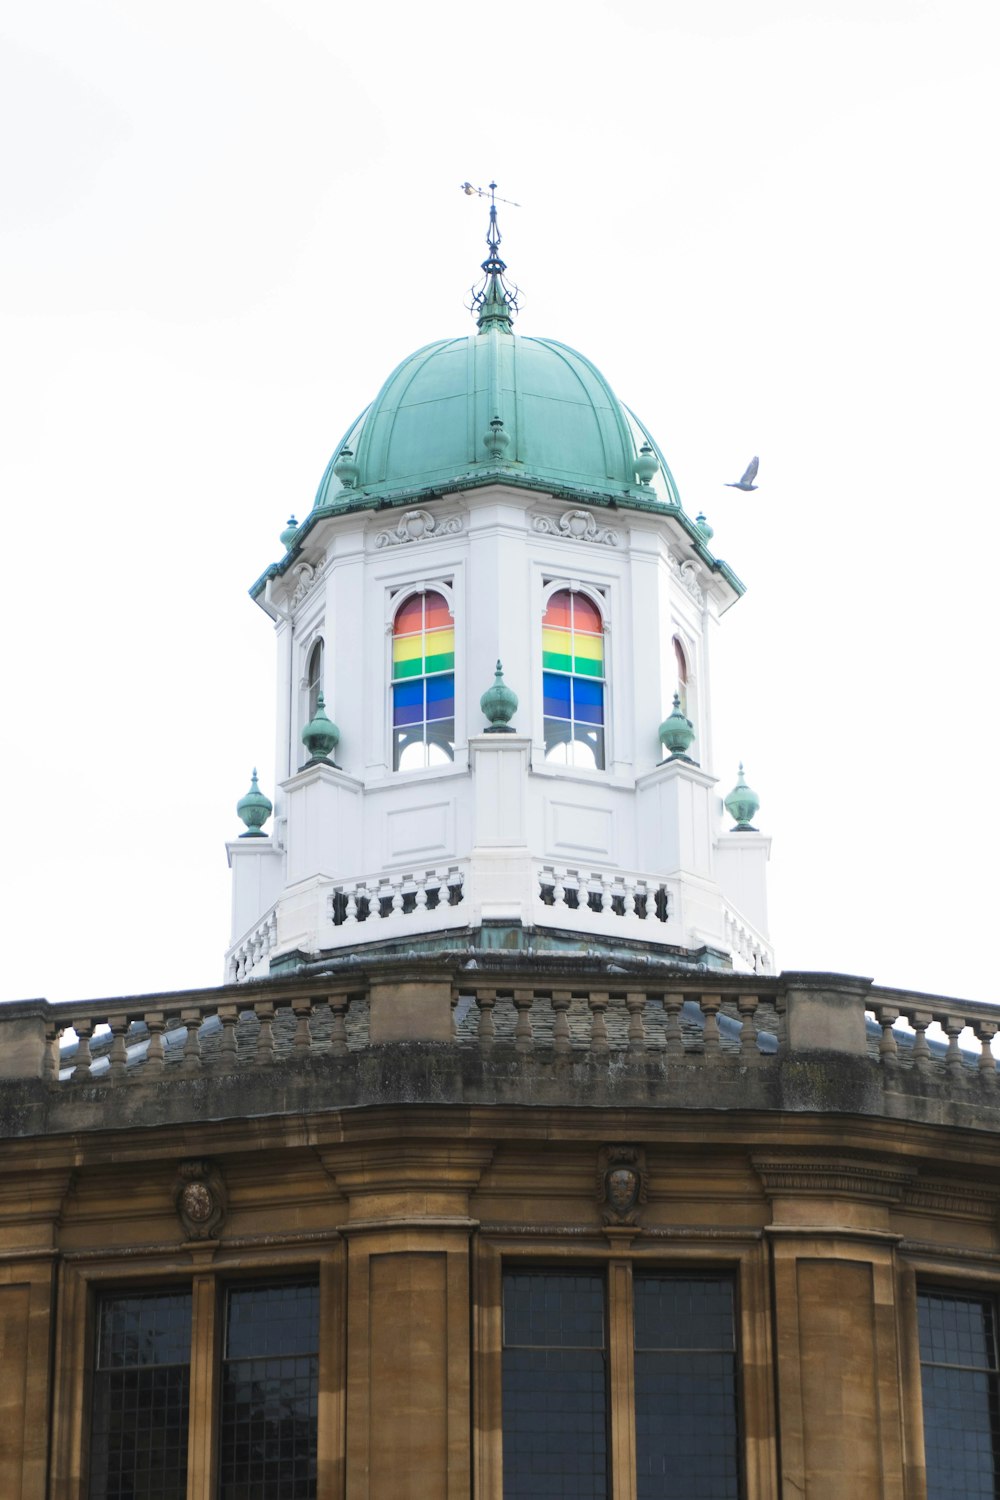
524 1036
84 1031
561 1002
672 1036
920 1020
119 1052
485 1001
750 1052
710 1007
302 1041
264 1010
888 1047
228 1046
156 1023
338 1035
192 1047
635 1003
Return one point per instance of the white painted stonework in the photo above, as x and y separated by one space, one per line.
360 853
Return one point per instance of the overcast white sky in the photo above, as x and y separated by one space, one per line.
773 226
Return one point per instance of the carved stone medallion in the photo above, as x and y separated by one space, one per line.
200 1199
621 1183
418 526
578 525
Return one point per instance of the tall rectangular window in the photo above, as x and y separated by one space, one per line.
686 1433
139 1427
555 1396
558 1396
270 1379
959 1380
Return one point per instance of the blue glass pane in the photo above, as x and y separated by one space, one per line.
556 691
588 701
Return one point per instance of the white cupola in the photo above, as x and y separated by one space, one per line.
501 602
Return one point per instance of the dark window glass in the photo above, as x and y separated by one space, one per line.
138 1446
958 1356
555 1400
686 1428
314 679
270 1373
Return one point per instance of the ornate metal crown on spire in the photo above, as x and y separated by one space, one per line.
493 300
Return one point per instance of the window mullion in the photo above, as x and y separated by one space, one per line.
204 1389
621 1357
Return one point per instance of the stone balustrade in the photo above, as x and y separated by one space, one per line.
506 1010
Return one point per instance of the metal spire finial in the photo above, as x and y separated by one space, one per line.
493 300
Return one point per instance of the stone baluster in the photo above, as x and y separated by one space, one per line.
351 908
485 1002
888 1047
302 1040
50 1057
920 1020
561 1002
673 1038
524 1036
985 1032
191 1061
396 889
338 1032
606 886
84 1031
420 881
635 1004
456 882
156 1023
953 1026
228 1048
264 1011
599 1000
750 1052
710 1007
641 904
558 888
119 1052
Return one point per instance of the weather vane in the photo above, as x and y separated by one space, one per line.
492 300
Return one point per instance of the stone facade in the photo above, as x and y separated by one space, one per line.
408 1132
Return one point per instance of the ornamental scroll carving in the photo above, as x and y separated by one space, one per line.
418 526
686 573
200 1199
305 576
578 525
621 1183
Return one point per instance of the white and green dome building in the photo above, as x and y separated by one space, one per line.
496 504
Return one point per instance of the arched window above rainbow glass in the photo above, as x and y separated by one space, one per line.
681 672
314 679
423 683
573 680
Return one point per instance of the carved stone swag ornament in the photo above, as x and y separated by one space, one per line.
622 1182
200 1199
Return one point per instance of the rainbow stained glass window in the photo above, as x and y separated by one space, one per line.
423 683
573 680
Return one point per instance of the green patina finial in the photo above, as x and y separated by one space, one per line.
254 809
742 804
346 470
647 464
287 537
320 736
701 521
677 732
499 705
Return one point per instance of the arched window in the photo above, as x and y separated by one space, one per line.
314 679
573 680
423 683
682 674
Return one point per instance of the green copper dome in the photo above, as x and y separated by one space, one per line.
495 407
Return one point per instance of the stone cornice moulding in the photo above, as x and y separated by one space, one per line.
833 1177
966 1200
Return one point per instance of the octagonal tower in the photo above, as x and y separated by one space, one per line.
496 503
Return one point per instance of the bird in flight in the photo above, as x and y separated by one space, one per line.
747 482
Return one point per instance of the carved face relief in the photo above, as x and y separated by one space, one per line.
621 1183
200 1199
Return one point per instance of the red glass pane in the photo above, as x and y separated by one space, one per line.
586 615
559 612
410 616
438 613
